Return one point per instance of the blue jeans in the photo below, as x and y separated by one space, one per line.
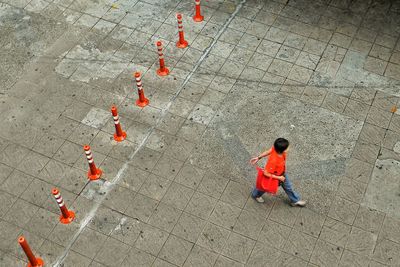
286 185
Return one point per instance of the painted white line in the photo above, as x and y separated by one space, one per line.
107 187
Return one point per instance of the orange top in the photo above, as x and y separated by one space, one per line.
276 163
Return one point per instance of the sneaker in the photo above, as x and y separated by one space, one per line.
300 203
259 199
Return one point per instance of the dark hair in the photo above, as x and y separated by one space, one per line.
280 145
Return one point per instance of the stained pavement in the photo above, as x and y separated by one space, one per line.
324 74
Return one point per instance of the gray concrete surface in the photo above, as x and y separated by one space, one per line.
324 74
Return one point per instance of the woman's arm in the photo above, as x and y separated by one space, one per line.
262 155
265 154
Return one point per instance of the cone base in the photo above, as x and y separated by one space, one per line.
120 138
142 104
164 72
182 45
198 18
95 176
39 262
69 219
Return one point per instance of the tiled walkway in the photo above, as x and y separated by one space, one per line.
325 74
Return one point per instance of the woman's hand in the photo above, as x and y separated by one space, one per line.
282 178
254 160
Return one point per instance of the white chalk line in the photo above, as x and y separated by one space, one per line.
107 187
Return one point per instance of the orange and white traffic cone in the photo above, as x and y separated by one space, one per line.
94 173
66 216
197 16
142 100
32 260
182 43
163 70
119 134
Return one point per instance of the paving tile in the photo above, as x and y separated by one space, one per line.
326 254
274 234
180 149
161 263
343 210
146 159
224 215
249 224
188 227
235 194
138 258
13 154
74 259
335 232
16 183
191 131
10 233
351 190
127 231
387 252
315 47
395 123
284 213
288 54
189 176
313 95
351 259
112 252
68 153
375 65
20 213
379 117
362 94
201 205
49 251
142 207
119 198
334 102
167 167
361 242
384 101
356 110
258 258
366 152
200 257
238 247
165 217
269 48
300 245
390 140
361 46
89 243
280 67
307 60
151 239
390 229
133 178
43 222
105 220
155 187
213 238
358 170
289 260
309 222
380 52
212 184
177 196
372 134
176 250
